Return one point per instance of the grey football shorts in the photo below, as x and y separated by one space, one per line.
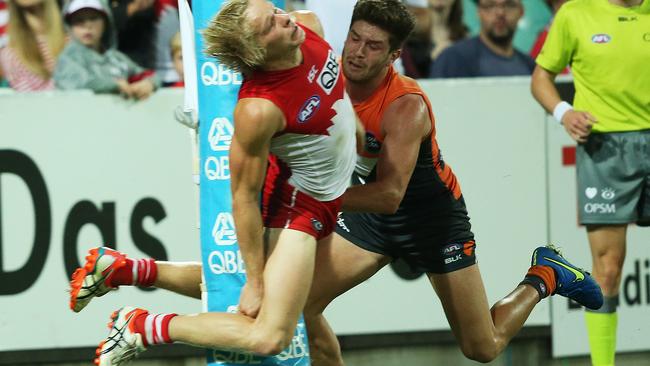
614 178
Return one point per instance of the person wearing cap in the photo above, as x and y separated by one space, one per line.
91 60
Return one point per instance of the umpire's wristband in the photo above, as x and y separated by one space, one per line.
560 109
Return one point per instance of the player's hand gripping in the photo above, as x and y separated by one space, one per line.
250 299
578 124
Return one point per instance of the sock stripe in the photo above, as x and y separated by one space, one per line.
154 328
148 329
135 272
148 272
164 329
157 330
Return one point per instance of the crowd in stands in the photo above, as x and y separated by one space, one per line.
132 47
125 46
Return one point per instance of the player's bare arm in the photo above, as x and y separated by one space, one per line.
577 123
256 121
405 123
309 20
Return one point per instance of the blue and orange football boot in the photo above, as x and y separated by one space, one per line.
572 282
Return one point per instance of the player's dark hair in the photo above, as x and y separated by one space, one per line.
389 15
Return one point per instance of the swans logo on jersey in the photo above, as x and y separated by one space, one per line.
217 74
372 144
220 135
223 231
309 108
601 38
329 74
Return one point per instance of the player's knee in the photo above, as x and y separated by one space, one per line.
483 352
271 343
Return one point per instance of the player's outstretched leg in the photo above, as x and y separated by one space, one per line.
105 270
571 281
124 343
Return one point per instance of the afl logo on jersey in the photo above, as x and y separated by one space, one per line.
329 73
309 108
601 38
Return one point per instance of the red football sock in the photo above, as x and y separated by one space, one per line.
154 328
136 272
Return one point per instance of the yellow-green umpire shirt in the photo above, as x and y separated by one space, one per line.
608 49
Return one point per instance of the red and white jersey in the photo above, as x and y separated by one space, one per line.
316 151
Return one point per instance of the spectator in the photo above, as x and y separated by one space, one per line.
167 25
447 25
554 5
90 60
36 37
417 48
439 24
491 53
4 18
177 59
135 22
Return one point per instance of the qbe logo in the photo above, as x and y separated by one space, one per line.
217 74
220 135
297 348
217 168
223 231
329 74
237 358
226 262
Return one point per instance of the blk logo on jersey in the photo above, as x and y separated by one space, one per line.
309 109
601 38
329 73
